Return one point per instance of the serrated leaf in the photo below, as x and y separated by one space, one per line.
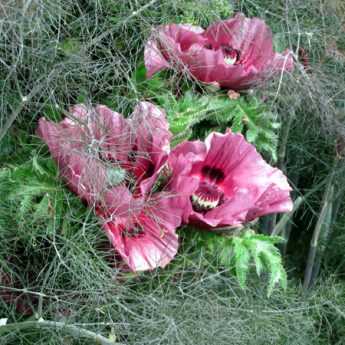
42 208
252 134
256 253
239 251
241 259
37 166
25 205
273 264
36 192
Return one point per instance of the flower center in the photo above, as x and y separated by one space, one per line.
213 174
231 55
207 197
94 148
115 175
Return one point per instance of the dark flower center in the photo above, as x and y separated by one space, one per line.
144 167
132 155
215 175
207 197
231 55
150 169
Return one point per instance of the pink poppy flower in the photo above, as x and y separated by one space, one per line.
142 230
97 147
228 182
235 54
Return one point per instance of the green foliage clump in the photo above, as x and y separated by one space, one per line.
196 114
33 193
239 252
206 12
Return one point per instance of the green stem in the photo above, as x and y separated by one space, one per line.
322 226
323 241
72 330
283 143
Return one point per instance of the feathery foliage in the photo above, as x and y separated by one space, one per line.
57 265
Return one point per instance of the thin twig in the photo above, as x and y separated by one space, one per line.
283 143
107 32
72 330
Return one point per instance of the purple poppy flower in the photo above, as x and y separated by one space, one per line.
141 229
97 147
227 181
235 54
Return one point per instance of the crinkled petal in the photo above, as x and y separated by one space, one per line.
251 36
151 143
227 32
118 203
155 248
78 115
168 45
60 138
209 66
275 199
185 35
154 59
203 54
114 134
156 244
231 212
194 151
84 174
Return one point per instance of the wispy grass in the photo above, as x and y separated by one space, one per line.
60 267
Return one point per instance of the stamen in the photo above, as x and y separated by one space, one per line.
206 198
231 55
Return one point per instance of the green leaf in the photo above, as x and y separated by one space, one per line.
70 46
241 259
35 191
194 115
155 87
42 208
37 166
241 252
